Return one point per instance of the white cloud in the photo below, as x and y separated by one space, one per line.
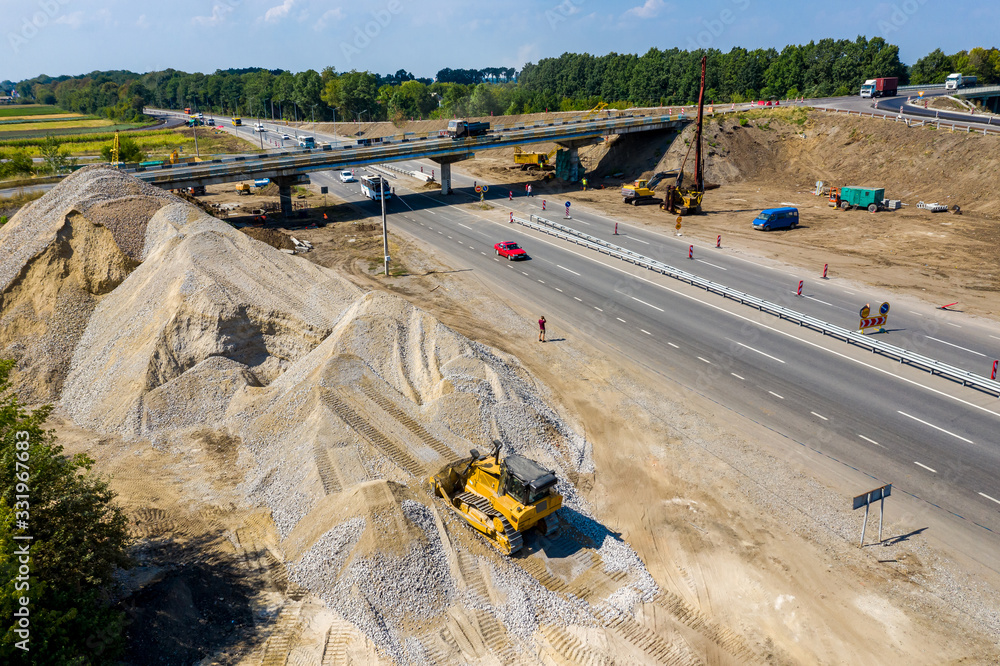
330 15
73 20
650 9
142 22
275 14
219 14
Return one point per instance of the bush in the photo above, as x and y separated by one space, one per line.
128 151
18 164
79 540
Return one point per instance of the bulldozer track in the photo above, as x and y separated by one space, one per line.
278 646
361 426
658 648
725 638
393 410
495 637
335 646
150 521
472 574
481 503
327 471
568 648
440 647
589 585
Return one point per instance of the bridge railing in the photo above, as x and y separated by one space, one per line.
935 367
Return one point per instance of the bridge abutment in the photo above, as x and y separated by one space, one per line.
570 170
446 163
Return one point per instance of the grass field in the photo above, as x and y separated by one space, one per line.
28 110
55 117
12 138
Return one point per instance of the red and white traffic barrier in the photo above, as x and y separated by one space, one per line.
799 291
690 251
825 267
718 241
510 195
616 228
993 375
543 204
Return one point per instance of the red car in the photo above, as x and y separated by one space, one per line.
511 250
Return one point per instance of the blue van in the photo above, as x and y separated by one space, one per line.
777 218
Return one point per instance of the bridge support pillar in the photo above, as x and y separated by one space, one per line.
573 172
446 163
284 184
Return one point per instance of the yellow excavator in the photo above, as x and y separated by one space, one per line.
644 189
501 499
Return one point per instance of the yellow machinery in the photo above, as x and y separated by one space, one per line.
681 201
687 201
501 499
596 111
243 188
114 153
531 161
643 189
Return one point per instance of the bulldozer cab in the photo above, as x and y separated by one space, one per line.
525 480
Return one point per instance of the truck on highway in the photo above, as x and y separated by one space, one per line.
884 86
957 80
307 142
460 129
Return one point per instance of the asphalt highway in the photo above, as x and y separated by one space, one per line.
931 438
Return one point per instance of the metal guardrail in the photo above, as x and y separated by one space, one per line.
929 86
931 365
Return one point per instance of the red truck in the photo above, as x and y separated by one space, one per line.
881 87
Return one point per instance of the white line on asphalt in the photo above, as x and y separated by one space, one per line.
849 292
582 222
462 225
471 248
441 233
640 241
597 308
819 416
431 212
483 253
523 273
579 299
936 427
542 281
621 320
811 298
712 265
557 289
737 376
872 441
645 331
673 345
916 313
929 469
779 397
449 236
645 303
705 360
773 358
992 499
566 269
951 324
954 345
994 337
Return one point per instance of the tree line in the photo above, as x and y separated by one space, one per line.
571 81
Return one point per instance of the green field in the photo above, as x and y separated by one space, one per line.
29 110
80 131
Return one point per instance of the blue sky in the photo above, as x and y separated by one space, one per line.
77 36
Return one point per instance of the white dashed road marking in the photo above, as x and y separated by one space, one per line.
645 331
929 469
579 299
819 416
566 269
737 376
645 303
712 265
871 441
705 360
992 499
779 397
621 320
773 358
936 427
955 346
673 345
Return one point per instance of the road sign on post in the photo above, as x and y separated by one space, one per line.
567 211
874 322
865 500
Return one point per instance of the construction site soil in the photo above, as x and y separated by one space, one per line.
269 421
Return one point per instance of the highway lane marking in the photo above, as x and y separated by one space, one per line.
579 299
950 344
483 253
737 376
850 293
431 212
712 265
472 248
462 225
441 232
916 313
645 303
598 309
992 499
929 469
812 298
758 324
542 281
951 324
558 289
705 360
947 432
773 358
819 416
566 269
638 240
645 331
994 337
523 273
450 237
780 397
872 441
621 320
673 345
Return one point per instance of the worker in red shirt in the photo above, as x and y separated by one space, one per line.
541 329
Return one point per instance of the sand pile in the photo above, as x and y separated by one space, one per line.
60 256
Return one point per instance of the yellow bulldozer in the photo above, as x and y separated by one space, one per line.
532 161
501 499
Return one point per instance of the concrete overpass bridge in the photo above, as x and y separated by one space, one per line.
289 168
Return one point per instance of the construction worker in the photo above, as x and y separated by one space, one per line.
541 329
529 190
584 184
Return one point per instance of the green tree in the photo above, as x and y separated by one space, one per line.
932 68
56 159
18 163
128 151
79 540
